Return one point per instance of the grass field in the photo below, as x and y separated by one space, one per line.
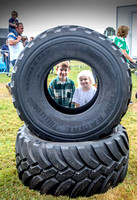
11 187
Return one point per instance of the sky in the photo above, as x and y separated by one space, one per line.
38 16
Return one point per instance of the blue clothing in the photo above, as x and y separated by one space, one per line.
13 62
13 21
12 28
13 31
5 49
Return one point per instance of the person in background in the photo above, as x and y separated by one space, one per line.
120 41
86 91
5 52
13 22
31 38
62 88
15 47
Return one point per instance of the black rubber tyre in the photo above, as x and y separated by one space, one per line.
74 169
136 95
133 65
46 118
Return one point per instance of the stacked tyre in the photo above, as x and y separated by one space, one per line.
62 151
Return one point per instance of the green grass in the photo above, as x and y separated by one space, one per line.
11 187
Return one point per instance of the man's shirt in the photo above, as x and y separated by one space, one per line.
16 49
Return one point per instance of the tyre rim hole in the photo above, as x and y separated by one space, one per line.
76 67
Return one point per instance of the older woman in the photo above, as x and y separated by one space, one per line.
120 41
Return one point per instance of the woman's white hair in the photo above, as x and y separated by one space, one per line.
87 73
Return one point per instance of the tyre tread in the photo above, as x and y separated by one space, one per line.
60 176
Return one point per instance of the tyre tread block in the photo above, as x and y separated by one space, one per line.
122 147
94 187
18 159
24 165
25 146
62 175
123 175
64 186
72 157
33 183
101 169
123 161
55 156
39 152
107 182
86 154
35 169
26 177
79 187
48 173
117 177
112 148
48 185
79 175
102 155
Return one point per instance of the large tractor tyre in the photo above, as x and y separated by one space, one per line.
47 119
74 169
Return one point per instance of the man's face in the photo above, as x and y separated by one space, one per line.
20 29
62 73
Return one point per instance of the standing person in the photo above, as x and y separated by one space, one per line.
85 92
31 38
120 41
15 46
13 22
62 88
5 52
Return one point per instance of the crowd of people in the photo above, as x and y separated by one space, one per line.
14 44
62 89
